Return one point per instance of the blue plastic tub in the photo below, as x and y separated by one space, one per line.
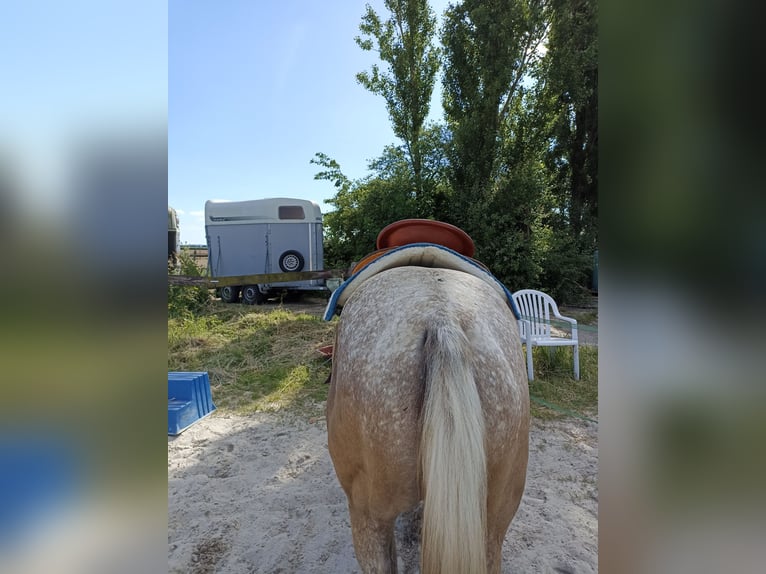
189 400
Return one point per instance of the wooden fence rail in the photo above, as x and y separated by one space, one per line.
214 282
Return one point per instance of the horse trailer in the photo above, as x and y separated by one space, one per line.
263 236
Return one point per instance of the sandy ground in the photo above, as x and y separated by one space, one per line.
258 494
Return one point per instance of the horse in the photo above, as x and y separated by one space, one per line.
429 402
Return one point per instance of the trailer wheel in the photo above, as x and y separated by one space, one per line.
291 261
252 295
230 293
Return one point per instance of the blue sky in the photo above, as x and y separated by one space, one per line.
255 89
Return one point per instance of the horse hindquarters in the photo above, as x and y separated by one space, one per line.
416 410
373 440
453 459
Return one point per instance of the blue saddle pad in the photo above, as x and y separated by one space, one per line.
420 254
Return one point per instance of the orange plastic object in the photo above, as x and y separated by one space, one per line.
367 258
408 231
326 351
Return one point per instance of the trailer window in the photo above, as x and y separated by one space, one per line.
291 212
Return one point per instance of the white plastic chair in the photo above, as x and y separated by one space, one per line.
536 308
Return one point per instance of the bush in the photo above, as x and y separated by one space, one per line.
184 301
566 271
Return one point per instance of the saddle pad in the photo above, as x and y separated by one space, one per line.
421 255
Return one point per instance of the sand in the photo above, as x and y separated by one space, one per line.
258 494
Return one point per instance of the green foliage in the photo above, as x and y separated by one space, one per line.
360 214
184 300
569 96
489 46
332 173
566 276
404 43
514 164
364 207
508 239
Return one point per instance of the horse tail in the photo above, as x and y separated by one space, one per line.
452 458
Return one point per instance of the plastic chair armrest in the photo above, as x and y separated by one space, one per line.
573 323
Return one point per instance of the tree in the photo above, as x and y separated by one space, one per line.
365 206
405 43
515 165
568 99
514 239
571 94
342 225
488 46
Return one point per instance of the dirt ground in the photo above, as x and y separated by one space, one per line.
258 494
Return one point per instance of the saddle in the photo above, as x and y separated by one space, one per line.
421 254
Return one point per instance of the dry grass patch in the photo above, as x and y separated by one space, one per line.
258 358
264 358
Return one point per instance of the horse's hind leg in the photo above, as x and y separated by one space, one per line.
505 486
499 516
373 542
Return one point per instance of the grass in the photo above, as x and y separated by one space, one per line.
555 384
587 317
264 358
258 358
